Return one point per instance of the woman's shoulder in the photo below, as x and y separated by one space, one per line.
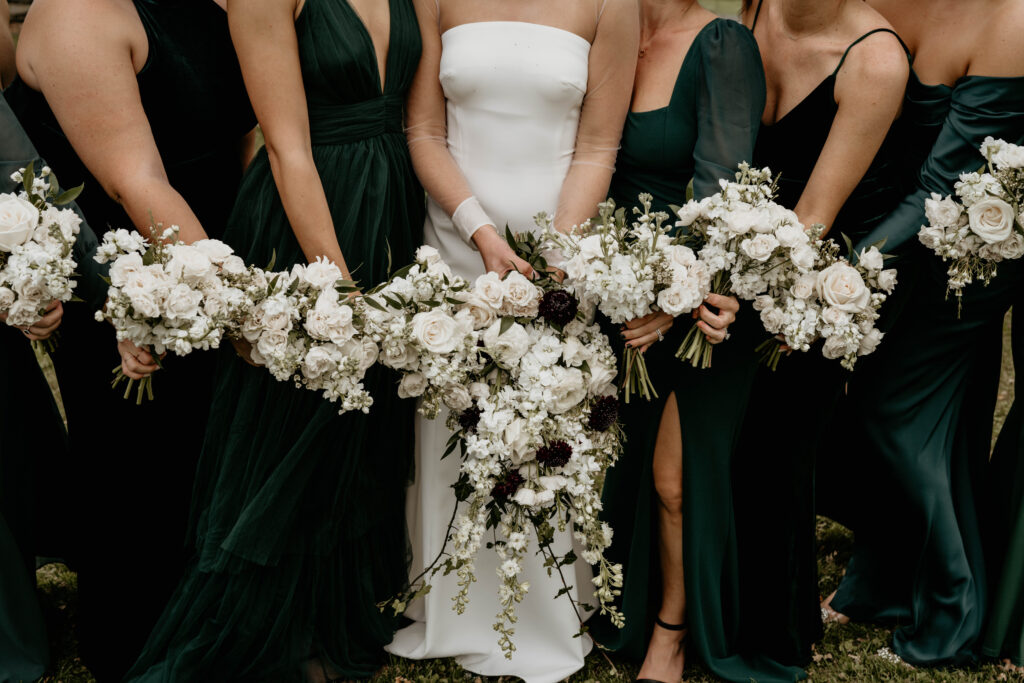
998 52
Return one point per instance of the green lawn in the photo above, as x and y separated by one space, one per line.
847 653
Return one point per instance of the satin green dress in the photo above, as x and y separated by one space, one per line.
298 518
922 403
707 129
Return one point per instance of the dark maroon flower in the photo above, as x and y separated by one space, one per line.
507 485
559 307
604 413
470 418
555 454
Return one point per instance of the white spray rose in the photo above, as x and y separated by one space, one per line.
412 385
942 212
18 220
872 259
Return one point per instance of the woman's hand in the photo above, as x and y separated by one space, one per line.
45 326
498 255
716 327
136 362
244 350
640 333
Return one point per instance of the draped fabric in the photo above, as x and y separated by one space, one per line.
297 517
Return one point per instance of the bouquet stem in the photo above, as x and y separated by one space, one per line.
635 378
770 353
144 390
695 349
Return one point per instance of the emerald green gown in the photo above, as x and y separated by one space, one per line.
775 473
707 129
298 519
922 403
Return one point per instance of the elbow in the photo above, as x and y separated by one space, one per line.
289 159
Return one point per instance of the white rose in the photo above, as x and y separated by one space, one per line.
763 302
743 220
602 379
942 213
510 346
803 257
681 255
456 397
399 356
872 338
479 390
322 273
571 390
791 235
1012 247
525 497
518 439
435 330
370 353
872 259
123 267
592 248
189 264
679 299
489 288
329 320
182 302
7 298
319 360
18 220
215 250
833 316
991 219
773 319
688 213
931 237
841 286
803 288
428 254
276 314
271 342
521 295
834 347
480 312
412 385
233 266
887 280
760 247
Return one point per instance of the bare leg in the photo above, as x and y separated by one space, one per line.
665 653
829 615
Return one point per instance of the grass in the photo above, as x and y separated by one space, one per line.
847 653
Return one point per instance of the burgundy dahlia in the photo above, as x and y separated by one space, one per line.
604 413
555 454
470 418
559 307
507 485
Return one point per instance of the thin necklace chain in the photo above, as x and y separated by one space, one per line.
643 48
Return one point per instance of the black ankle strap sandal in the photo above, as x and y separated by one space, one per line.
667 627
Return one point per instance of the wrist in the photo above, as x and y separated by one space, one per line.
486 237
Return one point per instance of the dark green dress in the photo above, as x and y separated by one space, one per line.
775 477
134 502
298 517
922 403
707 129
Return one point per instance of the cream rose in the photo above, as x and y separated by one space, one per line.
480 312
942 212
678 299
322 274
803 288
320 360
507 347
834 347
841 286
412 385
456 397
872 259
188 264
760 247
182 302
399 356
428 254
991 219
931 236
18 220
521 295
435 330
569 390
870 342
124 267
1012 247
490 290
215 250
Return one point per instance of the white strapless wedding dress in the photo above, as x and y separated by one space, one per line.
514 92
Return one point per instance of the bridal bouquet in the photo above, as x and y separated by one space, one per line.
629 270
536 419
303 328
983 225
837 302
36 242
170 296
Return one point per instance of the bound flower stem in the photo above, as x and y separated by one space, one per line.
635 378
770 353
144 390
695 347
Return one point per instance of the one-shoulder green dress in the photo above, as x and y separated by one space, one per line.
921 403
298 517
707 129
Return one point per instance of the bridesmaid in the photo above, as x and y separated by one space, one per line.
836 75
923 400
143 101
298 520
696 109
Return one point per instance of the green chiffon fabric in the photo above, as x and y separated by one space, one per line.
298 513
923 404
707 129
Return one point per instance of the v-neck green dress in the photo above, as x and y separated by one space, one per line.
923 402
298 513
707 129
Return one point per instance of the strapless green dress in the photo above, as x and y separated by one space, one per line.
707 129
298 517
923 402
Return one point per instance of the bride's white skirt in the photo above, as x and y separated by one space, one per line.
546 650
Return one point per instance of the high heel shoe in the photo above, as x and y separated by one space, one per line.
667 627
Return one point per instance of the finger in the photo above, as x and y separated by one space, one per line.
131 368
640 322
643 341
144 357
38 335
725 303
51 319
713 335
651 327
712 319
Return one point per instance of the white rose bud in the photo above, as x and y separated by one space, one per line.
412 385
872 259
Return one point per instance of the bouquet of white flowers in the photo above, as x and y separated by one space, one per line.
303 327
985 226
837 302
36 242
170 296
629 270
536 419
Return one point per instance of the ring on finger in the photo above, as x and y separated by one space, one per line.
727 335
25 331
661 337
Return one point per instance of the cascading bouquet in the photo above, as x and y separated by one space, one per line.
629 270
982 226
36 242
537 426
303 328
166 295
759 251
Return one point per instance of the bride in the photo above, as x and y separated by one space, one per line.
516 108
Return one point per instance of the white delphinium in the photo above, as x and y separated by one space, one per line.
982 226
36 242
